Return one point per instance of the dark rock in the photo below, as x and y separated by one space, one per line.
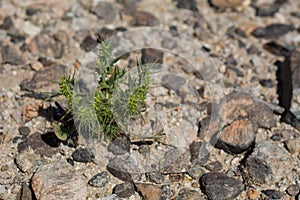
293 190
267 83
199 153
105 33
88 44
32 11
268 163
187 194
105 10
24 130
42 80
156 177
172 82
236 32
36 142
273 194
276 49
12 55
195 172
119 145
214 166
124 190
266 10
125 168
277 137
174 161
152 56
148 191
253 50
16 37
272 31
7 23
82 155
58 180
100 180
141 18
237 137
183 4
218 186
70 161
176 177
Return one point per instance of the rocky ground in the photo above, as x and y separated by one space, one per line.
223 104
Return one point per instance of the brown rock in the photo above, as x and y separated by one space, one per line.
252 194
238 136
31 110
233 4
58 181
293 146
149 192
141 18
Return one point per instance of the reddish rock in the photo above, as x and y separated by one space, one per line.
149 192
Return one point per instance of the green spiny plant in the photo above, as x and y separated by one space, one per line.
109 103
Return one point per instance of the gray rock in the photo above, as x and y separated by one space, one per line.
237 137
199 153
156 177
182 4
105 10
268 163
82 155
12 55
124 190
195 172
188 194
100 180
26 193
152 56
119 145
124 167
174 161
24 130
273 194
272 31
27 161
218 186
172 82
58 181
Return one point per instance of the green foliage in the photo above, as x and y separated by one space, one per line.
109 103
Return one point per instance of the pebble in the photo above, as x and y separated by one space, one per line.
195 172
174 161
252 194
141 18
82 155
25 193
182 4
12 55
100 180
152 56
144 149
119 145
266 10
223 4
124 190
88 44
172 82
24 131
7 23
293 146
272 31
218 186
273 194
37 66
237 137
105 10
27 161
30 29
199 153
187 194
156 177
57 181
148 191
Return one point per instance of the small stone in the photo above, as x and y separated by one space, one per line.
88 44
32 11
124 190
152 56
30 29
149 192
199 153
105 10
124 167
26 193
293 146
195 172
12 55
252 194
119 145
141 18
273 194
36 66
272 31
176 177
156 177
277 137
100 180
172 82
174 161
2 189
267 83
223 4
4 168
7 23
27 161
266 10
293 190
214 166
82 155
24 130
58 181
276 49
183 4
218 186
237 137
144 149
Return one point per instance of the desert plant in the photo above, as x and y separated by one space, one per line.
109 103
